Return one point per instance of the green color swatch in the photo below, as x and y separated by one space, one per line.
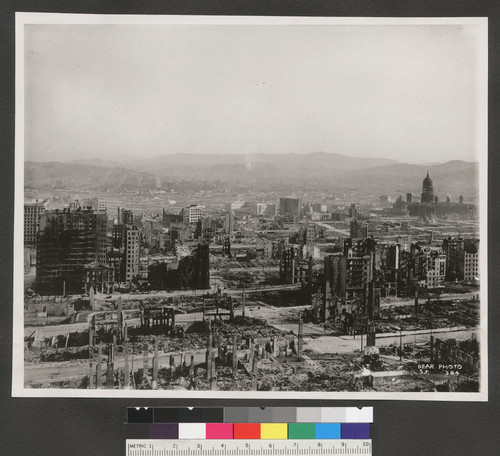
301 430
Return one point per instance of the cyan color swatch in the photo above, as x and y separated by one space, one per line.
328 430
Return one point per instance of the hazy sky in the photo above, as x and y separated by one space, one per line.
115 92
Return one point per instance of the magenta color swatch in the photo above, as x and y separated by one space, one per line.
219 430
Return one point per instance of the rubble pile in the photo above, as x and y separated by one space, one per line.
430 316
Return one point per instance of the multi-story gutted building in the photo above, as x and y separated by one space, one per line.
453 249
471 260
131 239
462 259
272 249
412 272
289 208
202 266
358 230
352 211
335 270
436 269
351 295
209 228
192 214
32 213
287 265
99 277
152 233
171 219
194 269
405 242
360 265
229 222
102 205
289 256
293 268
314 233
116 252
387 261
116 261
125 217
124 253
117 236
404 268
307 234
226 246
67 242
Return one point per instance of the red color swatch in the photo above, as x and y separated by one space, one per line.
247 430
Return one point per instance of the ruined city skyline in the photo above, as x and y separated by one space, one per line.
265 287
153 261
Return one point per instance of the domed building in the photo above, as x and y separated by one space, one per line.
429 205
427 190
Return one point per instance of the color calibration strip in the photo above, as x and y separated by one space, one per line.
247 431
249 447
250 415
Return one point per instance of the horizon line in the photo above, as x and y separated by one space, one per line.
128 159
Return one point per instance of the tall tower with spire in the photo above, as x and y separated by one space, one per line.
427 190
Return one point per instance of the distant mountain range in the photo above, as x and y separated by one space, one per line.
265 171
317 160
66 175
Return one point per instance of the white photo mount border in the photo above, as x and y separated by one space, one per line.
24 19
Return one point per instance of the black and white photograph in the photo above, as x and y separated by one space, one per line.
250 207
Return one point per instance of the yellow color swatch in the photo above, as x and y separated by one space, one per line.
274 431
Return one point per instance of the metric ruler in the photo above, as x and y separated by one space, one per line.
302 447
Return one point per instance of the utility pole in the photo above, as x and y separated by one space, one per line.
400 344
243 303
300 340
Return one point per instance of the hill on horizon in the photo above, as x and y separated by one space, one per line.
179 160
332 172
